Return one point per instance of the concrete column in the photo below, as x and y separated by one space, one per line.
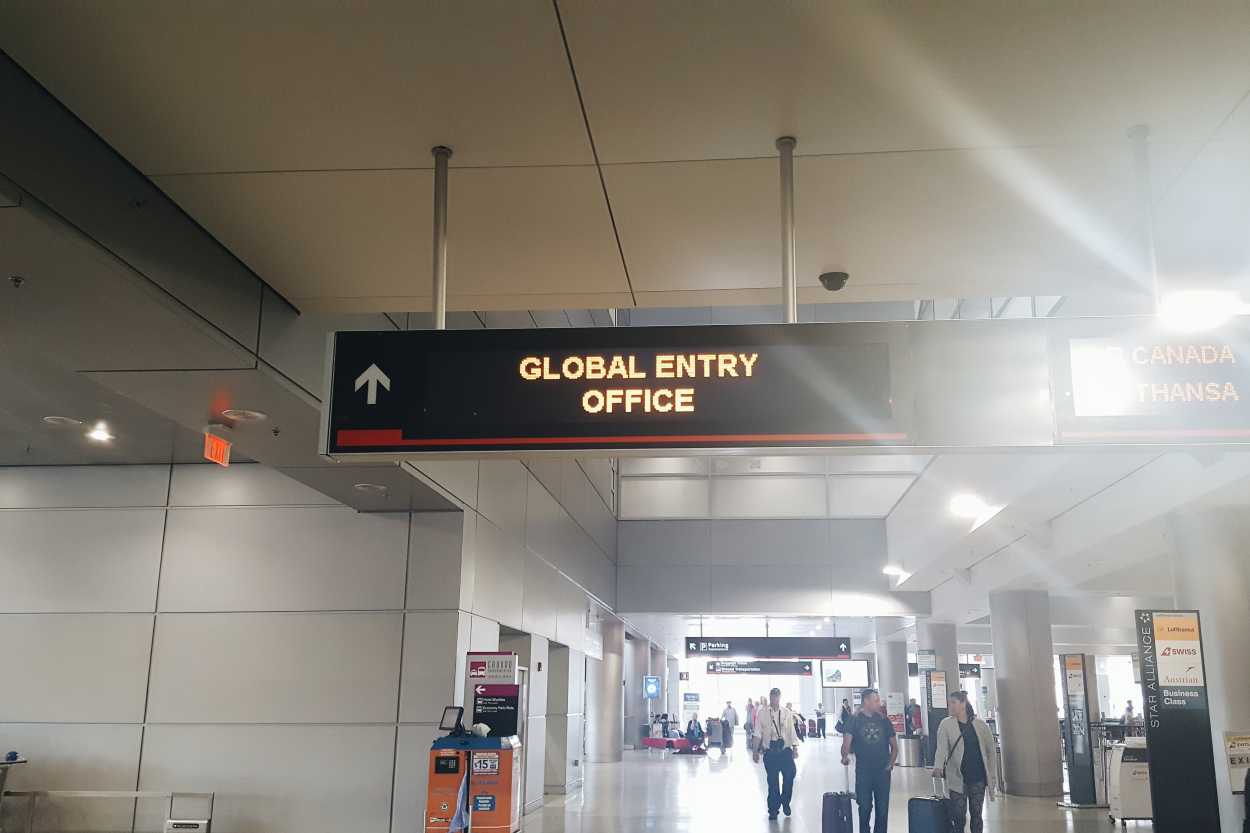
1211 574
940 637
659 668
672 690
566 697
605 703
989 692
1025 675
892 670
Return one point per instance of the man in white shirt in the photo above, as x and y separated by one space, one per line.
777 742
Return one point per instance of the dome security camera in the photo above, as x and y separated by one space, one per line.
833 281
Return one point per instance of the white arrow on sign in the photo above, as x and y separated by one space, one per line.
479 689
373 376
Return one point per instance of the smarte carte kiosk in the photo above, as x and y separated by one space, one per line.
475 782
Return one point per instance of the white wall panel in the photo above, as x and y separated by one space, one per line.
499 583
484 634
412 776
792 464
86 560
547 470
571 617
865 497
275 667
88 668
329 558
314 779
662 497
501 493
651 466
664 542
535 760
433 664
72 757
248 484
878 463
768 497
38 487
436 559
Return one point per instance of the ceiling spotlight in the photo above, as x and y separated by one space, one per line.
100 433
62 421
371 488
1195 310
893 568
244 415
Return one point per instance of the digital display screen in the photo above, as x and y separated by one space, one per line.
452 715
844 673
644 387
447 765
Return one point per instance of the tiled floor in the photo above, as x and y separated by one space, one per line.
654 792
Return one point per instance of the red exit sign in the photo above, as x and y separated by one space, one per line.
216 450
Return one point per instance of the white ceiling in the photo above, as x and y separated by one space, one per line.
945 150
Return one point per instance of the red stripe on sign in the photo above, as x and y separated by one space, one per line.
361 437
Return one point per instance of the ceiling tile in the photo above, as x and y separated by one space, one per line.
352 241
865 497
189 87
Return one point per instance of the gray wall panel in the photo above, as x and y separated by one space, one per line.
73 757
88 487
85 560
330 558
436 562
542 597
248 484
664 542
678 589
768 542
88 668
314 779
498 587
501 494
431 660
412 775
275 667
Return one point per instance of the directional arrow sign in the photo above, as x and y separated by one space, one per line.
373 376
480 689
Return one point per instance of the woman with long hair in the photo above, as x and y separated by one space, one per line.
967 758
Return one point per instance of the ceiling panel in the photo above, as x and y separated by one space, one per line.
878 463
355 241
238 86
865 497
905 226
725 78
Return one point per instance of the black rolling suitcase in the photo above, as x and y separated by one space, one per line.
836 814
928 815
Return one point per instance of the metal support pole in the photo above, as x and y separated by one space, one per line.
789 288
441 155
1140 136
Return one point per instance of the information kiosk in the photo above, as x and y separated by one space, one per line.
474 782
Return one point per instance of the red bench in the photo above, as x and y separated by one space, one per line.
676 744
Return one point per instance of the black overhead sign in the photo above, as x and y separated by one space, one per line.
797 668
395 393
1129 381
769 647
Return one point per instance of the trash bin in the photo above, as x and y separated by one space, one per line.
910 752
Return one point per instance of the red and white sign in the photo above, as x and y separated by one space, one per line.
492 667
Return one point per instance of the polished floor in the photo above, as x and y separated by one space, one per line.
655 792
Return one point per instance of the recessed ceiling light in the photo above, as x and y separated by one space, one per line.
967 505
62 421
100 433
893 569
244 415
371 488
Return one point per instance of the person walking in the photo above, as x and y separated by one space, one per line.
844 717
871 739
820 721
912 716
966 759
728 723
778 744
749 725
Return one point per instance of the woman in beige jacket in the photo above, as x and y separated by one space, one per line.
968 759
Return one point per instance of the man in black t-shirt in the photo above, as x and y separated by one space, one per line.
871 739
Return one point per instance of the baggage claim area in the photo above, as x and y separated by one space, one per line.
576 417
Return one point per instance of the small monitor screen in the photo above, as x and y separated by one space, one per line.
844 673
451 718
